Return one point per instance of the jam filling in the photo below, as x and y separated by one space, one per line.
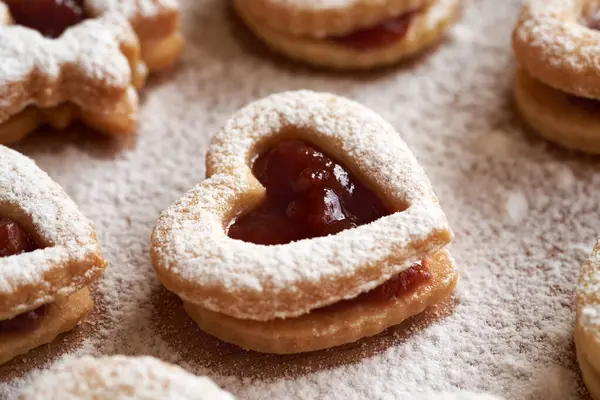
49 17
402 283
15 240
385 34
25 321
310 195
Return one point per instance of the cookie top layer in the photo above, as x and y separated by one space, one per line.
70 256
194 257
555 47
85 66
323 18
121 377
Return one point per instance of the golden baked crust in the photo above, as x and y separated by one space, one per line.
334 325
426 28
591 376
322 18
552 44
156 24
60 317
90 72
194 258
69 258
95 83
557 116
120 377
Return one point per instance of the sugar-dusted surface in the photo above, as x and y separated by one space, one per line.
70 257
124 378
84 65
509 330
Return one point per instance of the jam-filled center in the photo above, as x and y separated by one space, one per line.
49 17
384 34
311 195
14 240
308 195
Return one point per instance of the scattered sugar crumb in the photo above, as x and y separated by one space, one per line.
516 207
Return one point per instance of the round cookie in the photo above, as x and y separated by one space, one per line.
551 42
568 120
120 377
417 31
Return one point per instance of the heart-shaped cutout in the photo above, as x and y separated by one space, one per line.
308 195
194 257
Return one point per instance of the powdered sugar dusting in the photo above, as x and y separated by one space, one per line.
25 189
509 330
80 66
108 378
265 282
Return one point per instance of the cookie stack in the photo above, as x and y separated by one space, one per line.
348 34
557 83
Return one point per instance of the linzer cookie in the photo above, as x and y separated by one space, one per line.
48 256
349 34
120 377
557 84
68 60
587 330
315 227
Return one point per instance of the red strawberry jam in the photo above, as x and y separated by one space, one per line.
14 240
310 195
388 32
49 17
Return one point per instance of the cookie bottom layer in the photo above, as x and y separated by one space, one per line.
557 116
426 28
119 120
338 324
61 317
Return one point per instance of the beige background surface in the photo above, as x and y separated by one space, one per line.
525 215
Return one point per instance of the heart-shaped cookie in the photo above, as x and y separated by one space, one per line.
587 330
48 256
214 273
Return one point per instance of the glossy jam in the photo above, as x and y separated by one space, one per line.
23 322
308 195
387 33
401 284
49 17
15 240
